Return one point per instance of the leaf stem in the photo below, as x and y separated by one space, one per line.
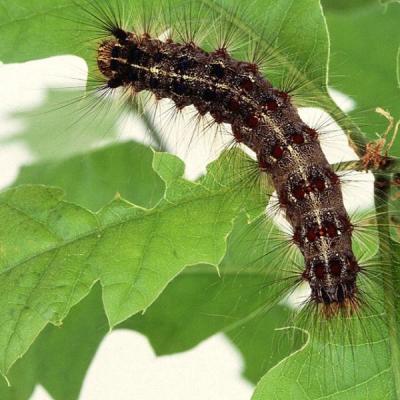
388 256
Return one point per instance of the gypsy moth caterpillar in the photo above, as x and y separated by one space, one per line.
262 117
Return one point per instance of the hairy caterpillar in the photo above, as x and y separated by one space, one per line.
265 120
210 85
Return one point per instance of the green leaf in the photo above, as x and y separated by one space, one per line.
38 29
369 76
92 179
263 342
198 294
301 376
53 251
344 5
242 291
61 355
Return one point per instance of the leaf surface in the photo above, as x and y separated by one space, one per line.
198 301
369 77
52 251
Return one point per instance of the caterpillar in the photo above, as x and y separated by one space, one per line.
264 119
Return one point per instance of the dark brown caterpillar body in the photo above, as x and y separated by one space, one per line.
266 121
